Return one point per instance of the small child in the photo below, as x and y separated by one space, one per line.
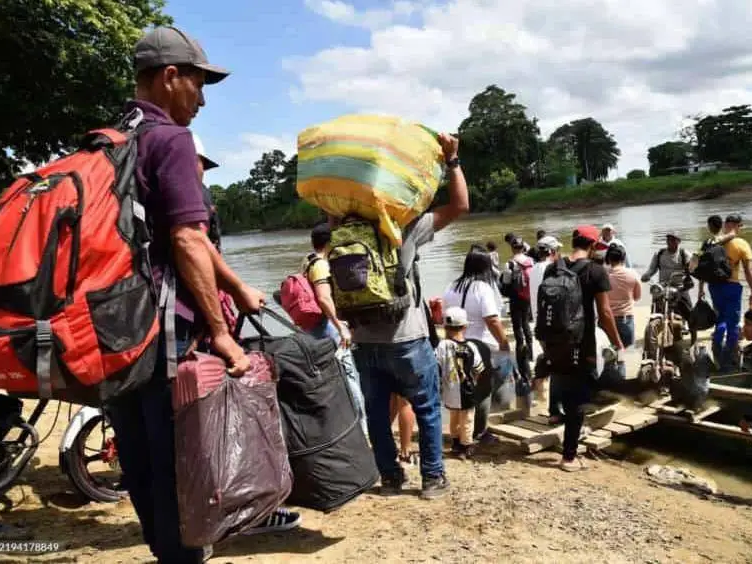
461 365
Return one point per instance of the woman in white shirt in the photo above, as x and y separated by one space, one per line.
476 292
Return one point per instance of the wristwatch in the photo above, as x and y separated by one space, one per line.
453 163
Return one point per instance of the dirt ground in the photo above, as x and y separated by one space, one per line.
501 507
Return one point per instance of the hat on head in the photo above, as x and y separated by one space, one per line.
589 232
609 226
673 234
549 243
455 317
733 218
208 163
164 46
516 243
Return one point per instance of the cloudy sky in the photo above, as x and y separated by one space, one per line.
638 66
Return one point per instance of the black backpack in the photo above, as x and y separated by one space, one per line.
713 264
561 317
512 280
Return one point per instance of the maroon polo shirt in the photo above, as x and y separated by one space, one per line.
170 189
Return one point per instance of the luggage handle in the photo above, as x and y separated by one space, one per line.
257 321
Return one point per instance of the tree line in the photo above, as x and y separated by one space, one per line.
83 49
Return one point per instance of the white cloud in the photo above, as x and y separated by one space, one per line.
236 163
345 13
638 68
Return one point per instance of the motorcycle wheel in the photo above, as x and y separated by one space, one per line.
76 461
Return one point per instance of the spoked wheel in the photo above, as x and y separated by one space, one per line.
92 462
16 453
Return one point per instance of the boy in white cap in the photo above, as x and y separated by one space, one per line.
461 366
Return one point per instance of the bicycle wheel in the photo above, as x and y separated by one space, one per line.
92 463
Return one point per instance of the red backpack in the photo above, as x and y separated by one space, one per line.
78 310
299 300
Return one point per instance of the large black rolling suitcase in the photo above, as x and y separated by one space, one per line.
331 460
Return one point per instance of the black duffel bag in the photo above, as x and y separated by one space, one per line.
331 460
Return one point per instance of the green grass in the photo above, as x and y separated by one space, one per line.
641 190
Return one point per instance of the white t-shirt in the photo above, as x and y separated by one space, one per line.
536 277
453 371
482 301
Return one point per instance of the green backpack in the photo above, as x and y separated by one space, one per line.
369 283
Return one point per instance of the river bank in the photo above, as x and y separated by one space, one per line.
641 191
623 192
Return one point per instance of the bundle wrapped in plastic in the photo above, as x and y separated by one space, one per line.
381 168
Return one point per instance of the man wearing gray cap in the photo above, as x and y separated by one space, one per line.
171 71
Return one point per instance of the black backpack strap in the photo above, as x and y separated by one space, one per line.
579 266
312 259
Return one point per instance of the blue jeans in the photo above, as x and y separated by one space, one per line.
409 369
727 300
144 427
346 361
625 328
494 392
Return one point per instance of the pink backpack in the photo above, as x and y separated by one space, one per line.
523 289
299 300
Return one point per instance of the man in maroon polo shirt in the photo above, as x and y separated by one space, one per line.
171 70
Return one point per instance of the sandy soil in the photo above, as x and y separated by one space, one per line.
502 507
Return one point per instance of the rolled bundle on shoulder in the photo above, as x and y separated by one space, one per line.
381 168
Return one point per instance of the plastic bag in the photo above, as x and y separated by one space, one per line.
230 458
381 168
703 316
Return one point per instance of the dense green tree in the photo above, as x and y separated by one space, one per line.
672 154
497 134
595 148
66 68
559 163
635 174
726 137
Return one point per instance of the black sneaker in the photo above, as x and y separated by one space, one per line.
434 487
280 520
392 485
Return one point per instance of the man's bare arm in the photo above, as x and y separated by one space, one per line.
195 265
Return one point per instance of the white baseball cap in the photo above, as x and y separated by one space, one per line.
208 163
549 242
455 317
608 226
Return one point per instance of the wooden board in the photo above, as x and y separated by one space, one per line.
545 441
638 420
618 429
596 443
672 409
532 425
500 417
512 431
708 426
707 412
730 392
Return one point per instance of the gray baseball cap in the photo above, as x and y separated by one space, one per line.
164 46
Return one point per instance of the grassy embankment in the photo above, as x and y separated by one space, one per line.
621 192
640 191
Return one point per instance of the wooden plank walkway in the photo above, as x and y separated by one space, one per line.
533 434
611 417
